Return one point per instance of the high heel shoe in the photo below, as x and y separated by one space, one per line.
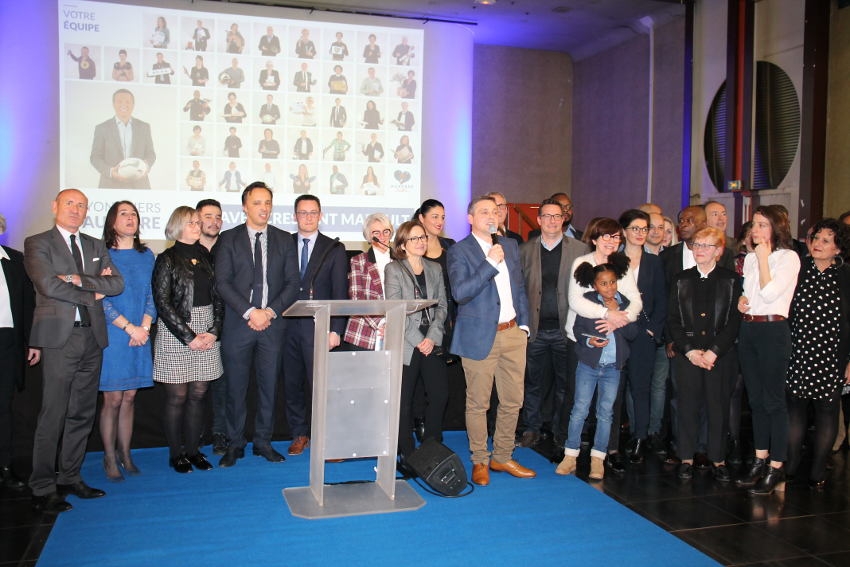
755 474
110 467
773 480
128 465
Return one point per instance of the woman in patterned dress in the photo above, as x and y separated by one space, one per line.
186 353
820 345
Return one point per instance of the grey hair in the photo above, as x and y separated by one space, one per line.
376 217
174 226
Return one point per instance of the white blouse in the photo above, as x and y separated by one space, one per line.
775 297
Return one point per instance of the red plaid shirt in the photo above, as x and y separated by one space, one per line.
364 282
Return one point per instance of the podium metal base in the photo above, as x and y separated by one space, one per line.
343 500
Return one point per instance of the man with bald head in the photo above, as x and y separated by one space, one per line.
71 272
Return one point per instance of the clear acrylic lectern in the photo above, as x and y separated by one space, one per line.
355 412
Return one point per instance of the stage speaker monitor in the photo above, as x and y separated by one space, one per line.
439 467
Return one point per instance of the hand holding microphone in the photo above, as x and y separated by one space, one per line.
497 253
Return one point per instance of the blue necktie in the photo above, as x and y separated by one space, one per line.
257 281
304 256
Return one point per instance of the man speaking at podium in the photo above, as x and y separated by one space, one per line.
491 335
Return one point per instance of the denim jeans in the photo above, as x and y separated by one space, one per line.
607 380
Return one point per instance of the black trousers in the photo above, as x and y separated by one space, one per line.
432 370
7 391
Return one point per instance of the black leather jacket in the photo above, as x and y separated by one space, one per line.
173 293
715 329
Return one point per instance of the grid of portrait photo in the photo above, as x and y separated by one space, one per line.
191 101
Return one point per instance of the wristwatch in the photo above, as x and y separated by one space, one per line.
69 278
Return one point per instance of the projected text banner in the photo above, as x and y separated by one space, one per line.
166 107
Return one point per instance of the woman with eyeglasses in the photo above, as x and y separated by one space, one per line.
641 363
186 350
603 236
365 281
820 346
409 276
703 323
764 344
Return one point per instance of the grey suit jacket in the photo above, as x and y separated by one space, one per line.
399 284
106 152
529 254
46 255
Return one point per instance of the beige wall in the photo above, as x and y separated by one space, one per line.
521 113
837 190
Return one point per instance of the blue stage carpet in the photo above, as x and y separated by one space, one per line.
238 517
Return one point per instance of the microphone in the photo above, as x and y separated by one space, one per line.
494 233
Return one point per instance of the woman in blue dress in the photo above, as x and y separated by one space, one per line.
127 363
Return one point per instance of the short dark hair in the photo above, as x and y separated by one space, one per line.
602 226
476 200
631 215
841 234
251 187
306 197
550 201
121 91
780 229
207 203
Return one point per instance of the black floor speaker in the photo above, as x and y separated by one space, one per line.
439 467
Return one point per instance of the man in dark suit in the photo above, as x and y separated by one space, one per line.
16 307
118 138
72 273
323 269
490 336
256 273
338 114
546 264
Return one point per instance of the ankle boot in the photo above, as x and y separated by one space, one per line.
755 474
773 480
597 468
567 466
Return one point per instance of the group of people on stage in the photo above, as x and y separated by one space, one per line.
614 313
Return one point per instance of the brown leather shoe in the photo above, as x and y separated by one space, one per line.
298 445
513 468
480 474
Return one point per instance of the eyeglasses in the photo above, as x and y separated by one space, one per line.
638 229
423 238
609 237
548 217
703 246
385 232
308 213
193 222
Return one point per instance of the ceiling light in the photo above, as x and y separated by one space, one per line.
484 2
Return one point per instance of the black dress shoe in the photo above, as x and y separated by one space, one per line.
702 462
219 443
200 462
657 445
721 473
636 451
10 481
616 463
79 489
230 457
685 471
180 464
419 428
773 480
269 454
756 472
50 503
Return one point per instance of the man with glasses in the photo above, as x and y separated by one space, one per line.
323 269
567 211
256 273
502 208
550 356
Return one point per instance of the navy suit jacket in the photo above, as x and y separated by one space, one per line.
234 267
474 289
327 274
653 291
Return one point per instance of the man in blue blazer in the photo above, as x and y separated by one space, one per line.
323 268
256 273
71 273
491 335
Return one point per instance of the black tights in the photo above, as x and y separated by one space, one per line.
184 417
826 426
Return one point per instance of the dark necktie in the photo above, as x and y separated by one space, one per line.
304 257
257 281
78 260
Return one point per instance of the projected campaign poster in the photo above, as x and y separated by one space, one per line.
166 107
